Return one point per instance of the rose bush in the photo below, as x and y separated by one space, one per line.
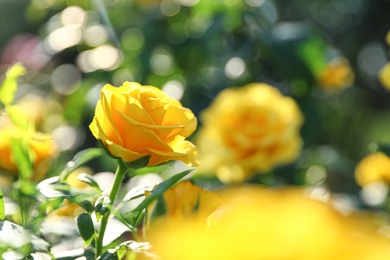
247 130
134 121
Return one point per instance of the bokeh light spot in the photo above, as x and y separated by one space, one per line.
254 3
161 62
73 15
68 137
372 58
62 38
177 33
65 79
104 57
375 193
95 35
169 8
188 3
132 39
316 174
174 89
234 68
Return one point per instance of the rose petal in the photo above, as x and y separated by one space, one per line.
108 123
184 151
138 136
182 116
123 153
163 132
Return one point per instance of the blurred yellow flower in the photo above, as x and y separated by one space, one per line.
387 39
373 168
135 121
33 106
188 200
41 146
249 129
336 75
384 76
256 223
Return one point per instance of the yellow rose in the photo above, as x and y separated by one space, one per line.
336 75
249 129
257 223
373 168
135 121
41 146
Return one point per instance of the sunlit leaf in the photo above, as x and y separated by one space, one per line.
89 180
120 251
54 187
86 229
136 192
80 159
160 189
10 84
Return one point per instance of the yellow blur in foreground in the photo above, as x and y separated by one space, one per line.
258 223
249 129
373 168
135 121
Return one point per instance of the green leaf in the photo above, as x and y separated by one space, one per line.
89 180
120 251
2 209
21 155
10 83
160 189
86 204
102 207
86 229
80 159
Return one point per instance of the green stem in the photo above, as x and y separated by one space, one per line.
119 175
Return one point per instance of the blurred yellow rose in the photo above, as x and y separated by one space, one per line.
41 146
186 200
256 223
249 129
135 121
384 76
336 75
373 168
